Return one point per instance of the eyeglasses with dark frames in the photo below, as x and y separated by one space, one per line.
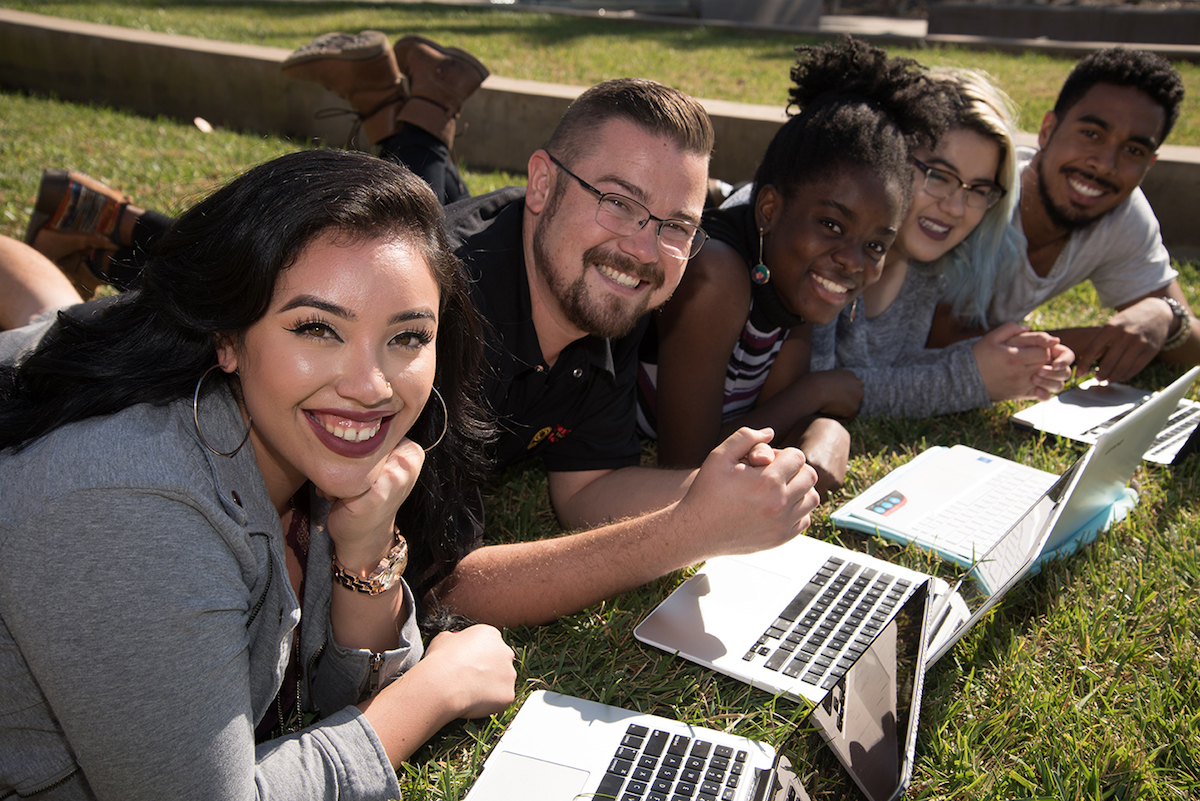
944 184
625 216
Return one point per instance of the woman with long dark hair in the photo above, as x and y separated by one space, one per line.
212 486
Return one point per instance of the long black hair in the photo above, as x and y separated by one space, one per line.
858 108
214 272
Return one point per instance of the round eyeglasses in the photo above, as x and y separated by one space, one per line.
944 184
624 216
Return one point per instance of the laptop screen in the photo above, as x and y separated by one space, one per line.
864 720
1012 557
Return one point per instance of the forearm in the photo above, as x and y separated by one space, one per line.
409 711
1186 354
30 284
809 395
367 622
938 382
745 498
617 494
530 583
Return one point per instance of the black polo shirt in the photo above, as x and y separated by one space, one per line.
580 414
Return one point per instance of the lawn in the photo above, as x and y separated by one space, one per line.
708 62
1083 684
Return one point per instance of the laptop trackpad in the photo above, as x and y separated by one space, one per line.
514 777
708 613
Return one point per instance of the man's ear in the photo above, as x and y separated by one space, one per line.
541 181
1049 123
766 206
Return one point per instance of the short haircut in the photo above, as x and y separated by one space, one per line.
654 107
1147 72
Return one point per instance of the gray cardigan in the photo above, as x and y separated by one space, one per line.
901 377
146 620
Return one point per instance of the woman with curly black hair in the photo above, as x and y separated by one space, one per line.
732 347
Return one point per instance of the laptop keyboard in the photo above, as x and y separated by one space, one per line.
1179 425
830 622
974 524
658 766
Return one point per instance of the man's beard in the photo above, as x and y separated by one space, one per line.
611 317
1060 217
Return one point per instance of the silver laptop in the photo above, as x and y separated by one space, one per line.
1087 411
560 748
958 501
719 612
790 620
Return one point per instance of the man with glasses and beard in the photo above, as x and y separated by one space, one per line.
565 270
1082 216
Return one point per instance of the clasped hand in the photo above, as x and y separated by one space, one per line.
748 496
1019 364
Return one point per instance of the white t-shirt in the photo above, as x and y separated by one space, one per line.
1121 253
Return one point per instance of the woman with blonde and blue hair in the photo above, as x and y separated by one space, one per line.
954 242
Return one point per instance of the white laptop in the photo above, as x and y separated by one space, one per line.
560 748
958 501
1087 411
1017 554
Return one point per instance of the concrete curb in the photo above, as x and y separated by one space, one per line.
241 87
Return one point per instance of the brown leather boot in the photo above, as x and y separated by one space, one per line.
360 68
77 205
440 80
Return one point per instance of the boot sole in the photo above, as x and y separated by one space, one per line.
89 213
459 53
376 45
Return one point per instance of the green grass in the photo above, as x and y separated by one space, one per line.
716 63
1083 684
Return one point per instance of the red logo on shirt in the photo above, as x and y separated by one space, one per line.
550 433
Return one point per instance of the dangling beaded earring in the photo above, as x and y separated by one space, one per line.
854 308
760 273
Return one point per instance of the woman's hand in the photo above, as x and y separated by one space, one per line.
1019 364
1052 376
476 667
464 674
361 527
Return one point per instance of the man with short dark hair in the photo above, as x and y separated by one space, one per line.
1084 217
565 270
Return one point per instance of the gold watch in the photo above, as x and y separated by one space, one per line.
383 577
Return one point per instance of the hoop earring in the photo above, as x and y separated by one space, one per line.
760 273
445 420
196 418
